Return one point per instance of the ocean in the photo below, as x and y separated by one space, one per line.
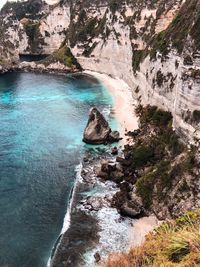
42 119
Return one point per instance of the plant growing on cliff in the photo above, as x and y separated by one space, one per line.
64 56
196 116
174 243
35 38
159 161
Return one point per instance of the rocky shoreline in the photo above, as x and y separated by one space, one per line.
96 228
155 161
34 68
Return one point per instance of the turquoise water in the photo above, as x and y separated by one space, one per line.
42 118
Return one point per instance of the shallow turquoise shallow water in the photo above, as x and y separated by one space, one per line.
42 118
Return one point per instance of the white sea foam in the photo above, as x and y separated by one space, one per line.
106 112
67 218
113 236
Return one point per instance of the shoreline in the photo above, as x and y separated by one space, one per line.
111 231
135 229
123 102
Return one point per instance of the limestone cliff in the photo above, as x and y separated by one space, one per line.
153 46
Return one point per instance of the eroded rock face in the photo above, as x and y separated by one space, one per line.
98 130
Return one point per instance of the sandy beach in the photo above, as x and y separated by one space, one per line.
123 102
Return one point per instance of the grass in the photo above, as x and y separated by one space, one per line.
174 243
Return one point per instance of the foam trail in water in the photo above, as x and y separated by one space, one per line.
67 218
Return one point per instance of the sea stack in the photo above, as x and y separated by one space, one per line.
98 130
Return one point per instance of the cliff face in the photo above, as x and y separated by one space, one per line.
153 46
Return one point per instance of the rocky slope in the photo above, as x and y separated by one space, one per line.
152 45
157 173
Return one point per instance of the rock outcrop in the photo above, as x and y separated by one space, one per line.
98 130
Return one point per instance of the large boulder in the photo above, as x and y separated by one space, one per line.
98 130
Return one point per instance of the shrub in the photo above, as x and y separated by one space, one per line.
142 155
151 114
144 187
63 55
196 116
161 117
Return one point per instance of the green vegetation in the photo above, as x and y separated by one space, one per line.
138 56
27 9
159 44
114 5
195 74
64 56
141 155
155 156
195 33
174 243
35 38
31 29
187 22
196 116
151 114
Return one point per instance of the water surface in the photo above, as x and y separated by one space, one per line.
42 118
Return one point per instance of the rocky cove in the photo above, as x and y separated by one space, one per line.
147 55
121 187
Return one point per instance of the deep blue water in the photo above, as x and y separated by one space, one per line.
42 118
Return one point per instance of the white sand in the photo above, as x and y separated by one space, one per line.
123 102
141 228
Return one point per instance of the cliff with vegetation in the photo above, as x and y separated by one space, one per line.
152 45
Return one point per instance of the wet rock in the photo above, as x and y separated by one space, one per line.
102 174
123 161
94 203
116 176
114 136
97 257
114 151
130 209
97 130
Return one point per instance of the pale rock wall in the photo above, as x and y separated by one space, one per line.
114 57
178 99
53 28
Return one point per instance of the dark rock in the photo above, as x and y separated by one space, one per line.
114 136
114 151
85 159
123 161
119 159
97 257
97 130
130 209
188 60
102 174
116 176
